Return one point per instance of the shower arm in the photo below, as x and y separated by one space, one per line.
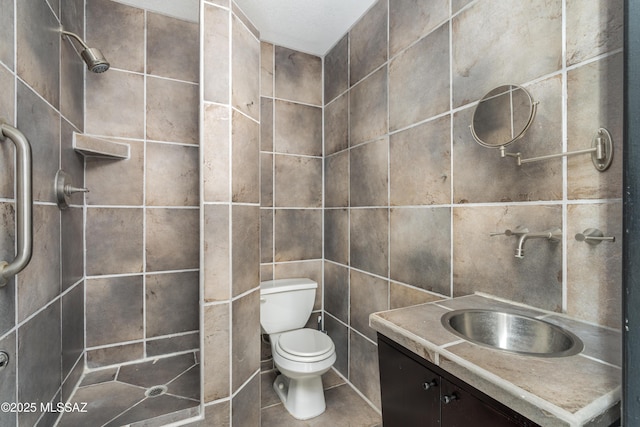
75 36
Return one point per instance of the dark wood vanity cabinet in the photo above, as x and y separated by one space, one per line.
416 393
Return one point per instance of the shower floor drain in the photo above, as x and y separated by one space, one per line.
156 391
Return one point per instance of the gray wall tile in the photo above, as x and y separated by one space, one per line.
8 385
368 108
245 159
587 111
594 273
336 240
171 303
215 54
172 175
40 124
114 241
216 269
336 291
37 49
118 182
419 80
173 48
298 234
336 70
245 409
604 18
420 254
336 180
245 242
172 111
43 271
39 344
368 42
410 20
118 31
266 124
368 174
114 355
216 362
72 328
7 252
114 310
369 240
298 181
363 364
115 104
172 241
245 339
298 76
267 67
420 164
367 294
336 125
534 280
245 90
215 154
7 33
476 53
298 129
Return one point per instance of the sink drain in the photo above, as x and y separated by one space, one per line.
156 391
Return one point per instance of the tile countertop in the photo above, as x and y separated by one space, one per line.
580 390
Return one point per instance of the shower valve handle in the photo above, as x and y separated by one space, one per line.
69 190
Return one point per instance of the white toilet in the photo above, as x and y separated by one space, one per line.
301 354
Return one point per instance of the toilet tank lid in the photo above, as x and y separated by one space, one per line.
284 285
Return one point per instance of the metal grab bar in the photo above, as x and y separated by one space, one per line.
24 204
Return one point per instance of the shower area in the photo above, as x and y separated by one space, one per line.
138 306
106 316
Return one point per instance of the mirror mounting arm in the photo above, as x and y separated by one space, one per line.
601 152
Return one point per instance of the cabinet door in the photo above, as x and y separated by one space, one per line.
410 392
461 409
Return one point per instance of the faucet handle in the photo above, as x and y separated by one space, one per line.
593 236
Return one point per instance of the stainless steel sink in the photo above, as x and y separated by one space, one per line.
512 332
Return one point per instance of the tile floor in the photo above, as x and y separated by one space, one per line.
128 395
118 397
345 407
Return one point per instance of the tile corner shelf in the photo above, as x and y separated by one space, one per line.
91 146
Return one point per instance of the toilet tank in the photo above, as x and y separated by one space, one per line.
286 304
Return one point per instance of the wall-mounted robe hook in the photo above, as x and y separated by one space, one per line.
593 236
64 189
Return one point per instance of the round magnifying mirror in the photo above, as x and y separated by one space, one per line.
502 116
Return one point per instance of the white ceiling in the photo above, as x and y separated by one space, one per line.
311 26
183 9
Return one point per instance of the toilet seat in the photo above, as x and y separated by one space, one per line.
305 345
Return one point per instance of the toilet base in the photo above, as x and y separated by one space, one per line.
302 397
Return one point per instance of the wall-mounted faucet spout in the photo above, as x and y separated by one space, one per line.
554 234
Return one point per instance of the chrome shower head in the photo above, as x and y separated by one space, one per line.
95 60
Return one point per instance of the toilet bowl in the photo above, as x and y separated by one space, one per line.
301 355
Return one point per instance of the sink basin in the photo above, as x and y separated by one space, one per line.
512 332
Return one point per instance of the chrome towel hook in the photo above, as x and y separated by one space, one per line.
24 204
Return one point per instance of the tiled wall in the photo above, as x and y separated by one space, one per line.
230 188
291 198
410 198
41 310
142 215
